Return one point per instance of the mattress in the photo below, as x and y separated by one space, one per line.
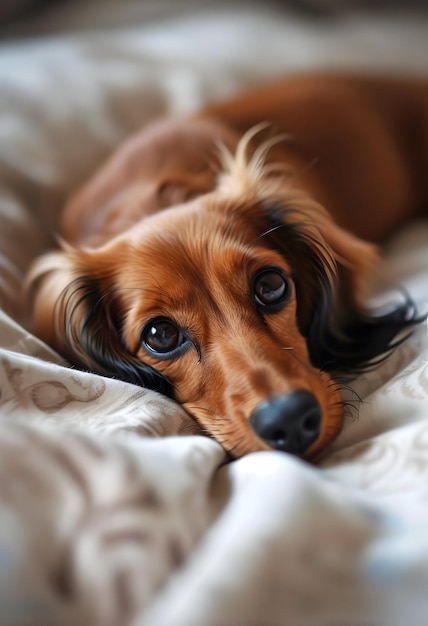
114 509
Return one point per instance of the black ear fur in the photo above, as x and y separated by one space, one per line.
341 338
93 337
357 340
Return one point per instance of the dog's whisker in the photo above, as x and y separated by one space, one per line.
304 170
265 233
344 387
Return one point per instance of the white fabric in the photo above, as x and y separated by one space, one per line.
108 514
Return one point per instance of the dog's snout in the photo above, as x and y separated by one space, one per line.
289 423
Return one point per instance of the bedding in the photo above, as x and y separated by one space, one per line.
114 509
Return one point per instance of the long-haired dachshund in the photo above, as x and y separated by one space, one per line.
221 259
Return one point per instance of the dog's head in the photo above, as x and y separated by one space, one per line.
239 303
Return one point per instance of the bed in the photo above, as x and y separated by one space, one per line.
114 509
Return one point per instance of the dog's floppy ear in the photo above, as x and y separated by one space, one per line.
168 163
74 311
330 267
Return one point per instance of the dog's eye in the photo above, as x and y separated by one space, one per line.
162 336
271 289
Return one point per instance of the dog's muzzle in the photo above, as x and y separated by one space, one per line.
288 423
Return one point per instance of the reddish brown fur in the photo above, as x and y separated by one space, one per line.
353 167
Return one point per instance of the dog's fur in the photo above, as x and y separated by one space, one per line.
182 218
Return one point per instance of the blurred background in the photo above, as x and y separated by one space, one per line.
26 18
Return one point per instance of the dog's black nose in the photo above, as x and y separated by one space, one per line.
288 423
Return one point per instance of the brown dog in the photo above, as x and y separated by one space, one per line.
223 263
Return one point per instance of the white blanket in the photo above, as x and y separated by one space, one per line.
110 513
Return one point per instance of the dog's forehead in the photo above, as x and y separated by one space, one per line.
181 251
190 232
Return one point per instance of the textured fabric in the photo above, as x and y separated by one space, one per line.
113 510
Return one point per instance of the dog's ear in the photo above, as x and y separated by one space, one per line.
184 157
168 163
75 311
330 270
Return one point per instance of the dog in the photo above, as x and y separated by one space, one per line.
222 258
